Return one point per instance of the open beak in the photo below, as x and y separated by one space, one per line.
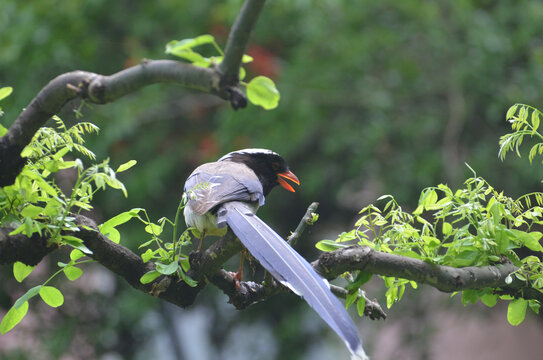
289 175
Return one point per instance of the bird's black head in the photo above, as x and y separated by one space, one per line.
269 166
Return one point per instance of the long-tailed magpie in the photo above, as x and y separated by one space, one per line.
229 192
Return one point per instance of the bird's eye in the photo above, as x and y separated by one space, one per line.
275 166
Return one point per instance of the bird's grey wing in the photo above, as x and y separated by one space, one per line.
216 183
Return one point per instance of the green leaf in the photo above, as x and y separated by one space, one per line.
51 296
21 271
511 112
5 92
465 258
532 241
187 44
361 306
534 305
27 296
31 211
76 243
13 317
447 228
185 264
167 269
126 166
329 245
118 220
153 229
72 272
489 299
350 299
362 278
76 254
516 311
114 235
470 296
190 282
535 121
261 91
149 276
3 130
148 255
247 59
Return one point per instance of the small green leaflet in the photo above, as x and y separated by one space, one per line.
516 311
175 46
13 317
51 296
126 166
31 211
329 245
5 92
76 243
167 269
149 276
21 271
108 228
261 91
361 306
153 229
72 272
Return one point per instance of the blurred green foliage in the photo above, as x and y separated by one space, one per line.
376 97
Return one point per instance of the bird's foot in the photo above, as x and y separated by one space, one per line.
237 278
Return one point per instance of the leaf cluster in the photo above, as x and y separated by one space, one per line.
475 225
261 90
35 203
166 255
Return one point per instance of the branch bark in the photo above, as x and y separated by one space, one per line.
238 38
443 278
306 220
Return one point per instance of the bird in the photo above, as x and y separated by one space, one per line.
227 193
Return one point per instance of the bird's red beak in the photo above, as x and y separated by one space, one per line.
289 175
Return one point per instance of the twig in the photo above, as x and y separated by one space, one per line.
306 220
236 45
372 308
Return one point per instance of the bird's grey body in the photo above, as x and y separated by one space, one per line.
213 184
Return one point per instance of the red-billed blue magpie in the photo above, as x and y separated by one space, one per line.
229 192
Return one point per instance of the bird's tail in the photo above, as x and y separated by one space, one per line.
293 271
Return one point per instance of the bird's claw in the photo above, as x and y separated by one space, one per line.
237 278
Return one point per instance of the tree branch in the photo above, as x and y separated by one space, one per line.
307 219
443 278
372 308
98 89
21 248
238 38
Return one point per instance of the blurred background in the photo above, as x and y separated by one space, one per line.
377 97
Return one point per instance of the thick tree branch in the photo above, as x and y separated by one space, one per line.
238 38
98 89
21 248
444 278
